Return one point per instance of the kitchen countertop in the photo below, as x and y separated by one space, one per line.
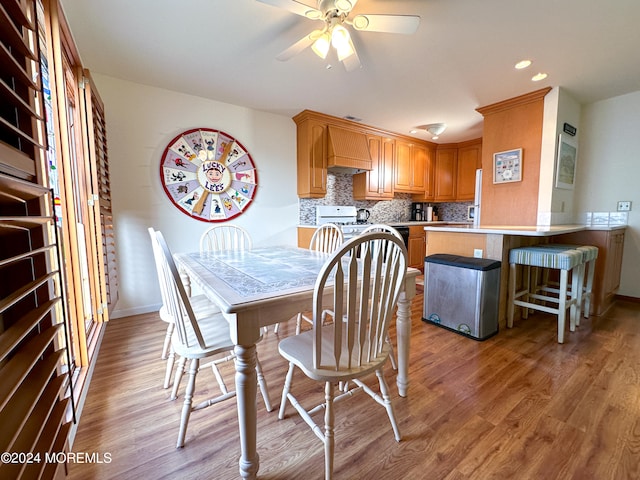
525 231
408 224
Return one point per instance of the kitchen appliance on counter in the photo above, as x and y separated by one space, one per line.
346 217
417 212
362 215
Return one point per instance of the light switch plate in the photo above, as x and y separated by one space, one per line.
477 252
624 206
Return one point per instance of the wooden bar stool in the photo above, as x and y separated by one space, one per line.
564 260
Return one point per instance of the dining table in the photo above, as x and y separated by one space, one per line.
265 286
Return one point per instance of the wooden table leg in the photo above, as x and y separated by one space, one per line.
246 390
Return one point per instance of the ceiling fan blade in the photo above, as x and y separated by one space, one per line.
299 46
352 62
295 7
406 24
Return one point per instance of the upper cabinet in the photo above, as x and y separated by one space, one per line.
446 170
454 172
411 159
382 162
428 193
312 155
469 160
376 184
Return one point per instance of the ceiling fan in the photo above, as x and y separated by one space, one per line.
335 15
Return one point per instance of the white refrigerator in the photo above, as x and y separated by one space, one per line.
476 201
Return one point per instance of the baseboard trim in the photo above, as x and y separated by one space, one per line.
627 299
128 312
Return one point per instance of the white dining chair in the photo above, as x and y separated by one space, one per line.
326 238
381 227
195 338
360 283
225 237
201 305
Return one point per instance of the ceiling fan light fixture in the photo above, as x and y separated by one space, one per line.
340 38
344 52
321 46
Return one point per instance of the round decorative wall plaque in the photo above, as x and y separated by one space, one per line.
208 175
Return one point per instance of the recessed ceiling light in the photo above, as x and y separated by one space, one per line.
523 64
413 131
539 76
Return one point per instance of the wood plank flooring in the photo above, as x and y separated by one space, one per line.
516 406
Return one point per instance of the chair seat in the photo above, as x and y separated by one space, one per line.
215 332
202 307
298 349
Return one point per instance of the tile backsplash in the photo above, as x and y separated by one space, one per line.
605 218
340 192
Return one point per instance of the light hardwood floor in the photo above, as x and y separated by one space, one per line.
516 406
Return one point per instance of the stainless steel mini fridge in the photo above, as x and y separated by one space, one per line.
462 294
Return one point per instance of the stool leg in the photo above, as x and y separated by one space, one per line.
512 294
577 280
562 305
591 267
579 285
526 284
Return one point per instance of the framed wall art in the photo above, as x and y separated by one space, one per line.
566 162
507 166
208 175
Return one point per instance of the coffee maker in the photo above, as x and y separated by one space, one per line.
417 213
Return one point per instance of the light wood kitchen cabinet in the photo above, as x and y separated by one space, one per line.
608 264
311 155
376 184
613 267
428 194
469 160
445 177
416 247
410 163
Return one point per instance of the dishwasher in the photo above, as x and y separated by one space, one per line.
404 233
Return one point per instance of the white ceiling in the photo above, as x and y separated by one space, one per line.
461 57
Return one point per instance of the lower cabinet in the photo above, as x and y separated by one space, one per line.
416 247
608 265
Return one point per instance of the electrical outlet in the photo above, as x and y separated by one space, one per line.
624 206
477 252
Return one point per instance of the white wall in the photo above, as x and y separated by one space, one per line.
556 206
141 121
608 170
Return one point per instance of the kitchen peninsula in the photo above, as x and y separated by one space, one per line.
495 242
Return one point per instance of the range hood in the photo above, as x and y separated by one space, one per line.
348 151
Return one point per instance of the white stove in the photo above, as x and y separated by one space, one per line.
342 215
